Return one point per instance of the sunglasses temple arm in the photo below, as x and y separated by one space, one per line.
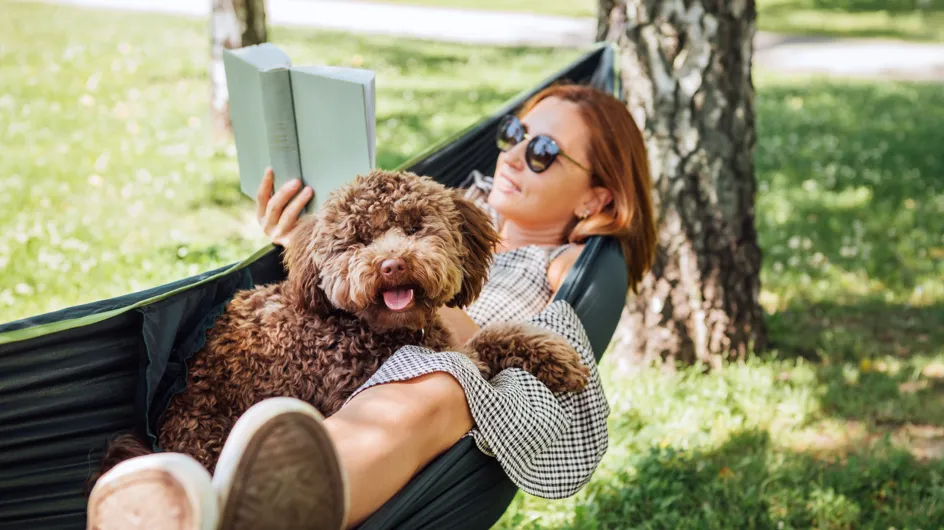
578 164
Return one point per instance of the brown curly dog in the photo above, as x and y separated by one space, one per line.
366 275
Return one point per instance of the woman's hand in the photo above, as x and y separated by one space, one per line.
460 325
277 220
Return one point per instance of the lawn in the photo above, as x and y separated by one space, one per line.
899 19
565 8
108 184
894 19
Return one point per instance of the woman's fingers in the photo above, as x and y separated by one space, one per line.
277 203
278 214
264 193
289 217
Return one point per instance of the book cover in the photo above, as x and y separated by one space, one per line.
262 114
316 123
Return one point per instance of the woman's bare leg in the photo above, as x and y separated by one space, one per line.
389 432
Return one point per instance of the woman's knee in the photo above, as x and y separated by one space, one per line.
432 407
439 394
441 415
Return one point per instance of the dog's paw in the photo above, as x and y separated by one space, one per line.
473 355
543 354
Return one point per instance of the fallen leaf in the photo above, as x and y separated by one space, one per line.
912 387
933 371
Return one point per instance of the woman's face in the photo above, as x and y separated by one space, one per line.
560 192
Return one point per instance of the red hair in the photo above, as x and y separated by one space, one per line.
619 163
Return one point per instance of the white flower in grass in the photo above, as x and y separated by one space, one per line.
91 84
7 298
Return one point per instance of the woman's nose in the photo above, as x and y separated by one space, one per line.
514 157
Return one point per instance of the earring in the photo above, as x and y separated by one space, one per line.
584 214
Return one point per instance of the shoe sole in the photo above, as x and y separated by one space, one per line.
129 495
279 471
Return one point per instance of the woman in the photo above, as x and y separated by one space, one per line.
573 166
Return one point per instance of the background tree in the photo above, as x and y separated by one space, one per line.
687 74
233 24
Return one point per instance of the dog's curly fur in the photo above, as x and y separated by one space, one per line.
325 330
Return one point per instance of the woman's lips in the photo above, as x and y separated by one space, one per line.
506 185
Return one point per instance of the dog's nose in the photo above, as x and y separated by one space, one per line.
392 268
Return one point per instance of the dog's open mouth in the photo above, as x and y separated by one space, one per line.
398 298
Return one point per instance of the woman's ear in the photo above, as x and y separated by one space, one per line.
479 238
302 287
594 201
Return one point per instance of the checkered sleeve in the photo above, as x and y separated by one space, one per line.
548 444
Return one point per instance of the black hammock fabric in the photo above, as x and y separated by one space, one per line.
72 378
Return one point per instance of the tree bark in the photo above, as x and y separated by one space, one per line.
233 24
686 67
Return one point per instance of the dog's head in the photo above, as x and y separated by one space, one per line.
390 248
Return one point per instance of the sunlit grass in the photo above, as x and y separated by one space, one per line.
842 424
897 19
108 180
567 8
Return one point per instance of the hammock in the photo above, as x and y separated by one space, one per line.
72 378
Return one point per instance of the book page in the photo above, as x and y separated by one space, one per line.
371 93
333 135
261 113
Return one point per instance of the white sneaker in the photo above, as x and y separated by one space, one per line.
162 491
279 470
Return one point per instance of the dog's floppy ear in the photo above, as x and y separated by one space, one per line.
479 238
299 259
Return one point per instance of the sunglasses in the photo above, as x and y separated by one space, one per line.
541 151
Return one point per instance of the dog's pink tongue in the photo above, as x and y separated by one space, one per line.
397 299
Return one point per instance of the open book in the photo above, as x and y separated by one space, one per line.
315 123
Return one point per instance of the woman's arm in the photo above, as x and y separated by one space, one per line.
559 268
461 326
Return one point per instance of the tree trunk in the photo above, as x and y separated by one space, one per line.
687 76
233 24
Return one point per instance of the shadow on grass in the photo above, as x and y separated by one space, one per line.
850 221
748 482
878 362
849 178
831 332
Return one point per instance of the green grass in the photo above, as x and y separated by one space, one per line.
842 424
565 8
899 19
895 19
108 184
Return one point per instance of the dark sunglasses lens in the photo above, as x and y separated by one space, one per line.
541 153
510 132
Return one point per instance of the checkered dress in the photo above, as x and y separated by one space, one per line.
548 444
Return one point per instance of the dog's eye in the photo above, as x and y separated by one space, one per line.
412 229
